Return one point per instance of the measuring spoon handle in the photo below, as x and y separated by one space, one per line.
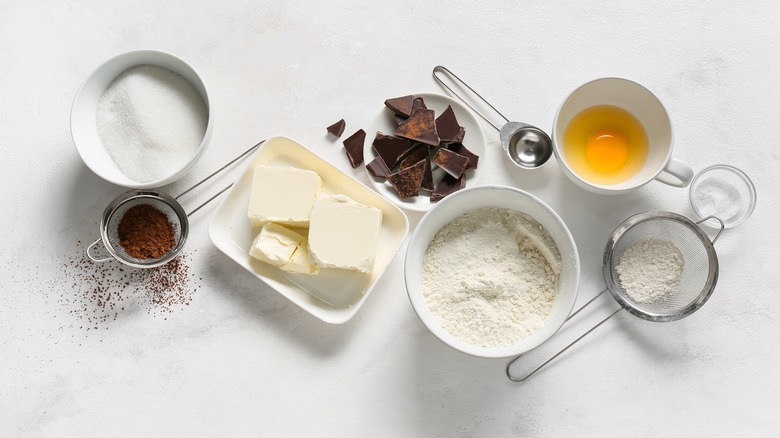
437 75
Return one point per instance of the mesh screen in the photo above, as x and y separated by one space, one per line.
693 282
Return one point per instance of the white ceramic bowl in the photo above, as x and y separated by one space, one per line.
83 116
501 197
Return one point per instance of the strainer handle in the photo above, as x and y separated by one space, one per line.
720 221
523 378
91 257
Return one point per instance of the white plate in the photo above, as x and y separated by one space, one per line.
384 122
334 295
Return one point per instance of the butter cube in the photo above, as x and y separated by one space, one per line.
284 248
300 262
344 233
284 195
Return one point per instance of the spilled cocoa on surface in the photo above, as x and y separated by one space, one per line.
98 293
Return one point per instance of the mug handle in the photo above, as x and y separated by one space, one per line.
676 173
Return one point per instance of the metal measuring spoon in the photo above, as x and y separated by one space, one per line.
526 145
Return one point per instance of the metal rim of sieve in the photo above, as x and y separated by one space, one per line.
144 197
666 313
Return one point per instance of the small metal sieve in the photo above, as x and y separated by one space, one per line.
697 282
115 211
168 205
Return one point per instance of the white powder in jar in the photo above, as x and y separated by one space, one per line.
151 122
490 276
650 270
717 198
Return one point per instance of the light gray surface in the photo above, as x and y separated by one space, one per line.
241 360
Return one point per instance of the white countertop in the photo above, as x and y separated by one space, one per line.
241 360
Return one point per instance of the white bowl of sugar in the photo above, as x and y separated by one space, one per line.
142 119
492 271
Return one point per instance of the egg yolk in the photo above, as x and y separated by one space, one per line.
606 151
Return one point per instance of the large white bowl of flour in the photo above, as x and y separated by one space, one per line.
142 119
492 271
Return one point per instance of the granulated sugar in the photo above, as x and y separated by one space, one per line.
490 276
151 121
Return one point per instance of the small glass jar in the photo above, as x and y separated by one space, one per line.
725 192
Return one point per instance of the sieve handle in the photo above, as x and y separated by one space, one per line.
720 221
91 257
523 378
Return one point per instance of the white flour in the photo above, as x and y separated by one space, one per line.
650 270
490 276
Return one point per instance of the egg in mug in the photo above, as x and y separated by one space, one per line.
604 144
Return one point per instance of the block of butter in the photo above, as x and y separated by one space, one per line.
343 233
284 195
279 246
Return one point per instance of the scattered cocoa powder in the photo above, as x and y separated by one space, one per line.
145 232
96 294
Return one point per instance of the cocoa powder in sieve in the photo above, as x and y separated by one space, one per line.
145 232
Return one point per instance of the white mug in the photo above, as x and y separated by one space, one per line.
652 115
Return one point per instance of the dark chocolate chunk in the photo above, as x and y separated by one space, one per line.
427 182
452 163
447 186
448 128
418 102
459 149
354 147
420 126
337 128
401 105
407 182
378 168
399 119
391 149
420 152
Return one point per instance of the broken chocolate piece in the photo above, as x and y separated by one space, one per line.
418 102
447 186
420 152
458 148
391 149
401 105
420 126
407 182
399 119
337 128
452 163
354 147
448 128
378 168
427 182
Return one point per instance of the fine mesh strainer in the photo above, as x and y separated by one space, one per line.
115 211
168 205
696 283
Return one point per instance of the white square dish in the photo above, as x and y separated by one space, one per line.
333 295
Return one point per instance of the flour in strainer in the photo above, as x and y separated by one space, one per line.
490 277
651 270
